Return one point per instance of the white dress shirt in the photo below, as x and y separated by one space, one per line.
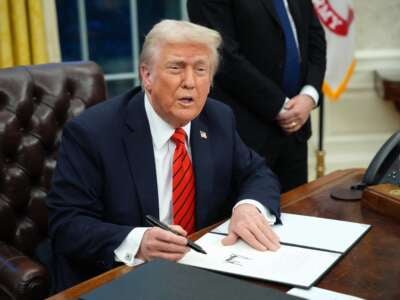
163 148
308 90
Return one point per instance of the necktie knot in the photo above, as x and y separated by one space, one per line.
179 136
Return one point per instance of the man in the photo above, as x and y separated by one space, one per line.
168 152
274 51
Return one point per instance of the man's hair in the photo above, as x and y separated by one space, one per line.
173 31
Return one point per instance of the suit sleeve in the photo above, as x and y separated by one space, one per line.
316 51
252 178
263 97
76 225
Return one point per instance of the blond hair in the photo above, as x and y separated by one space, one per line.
173 31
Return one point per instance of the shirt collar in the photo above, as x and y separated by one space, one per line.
160 130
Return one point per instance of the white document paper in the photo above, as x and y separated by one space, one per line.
314 232
315 293
291 265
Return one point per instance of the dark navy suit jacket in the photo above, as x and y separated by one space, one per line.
105 181
251 72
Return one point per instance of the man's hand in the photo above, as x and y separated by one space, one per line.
296 113
160 243
250 225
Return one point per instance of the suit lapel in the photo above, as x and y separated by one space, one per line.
139 150
203 167
269 6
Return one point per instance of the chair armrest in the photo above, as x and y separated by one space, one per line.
20 276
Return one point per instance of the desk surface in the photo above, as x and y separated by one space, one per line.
371 269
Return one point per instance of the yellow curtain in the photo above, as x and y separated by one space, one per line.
23 34
51 26
6 56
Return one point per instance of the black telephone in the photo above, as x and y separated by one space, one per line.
385 166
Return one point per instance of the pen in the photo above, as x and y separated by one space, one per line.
154 222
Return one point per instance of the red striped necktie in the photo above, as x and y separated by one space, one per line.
183 185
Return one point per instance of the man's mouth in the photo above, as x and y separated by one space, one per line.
186 100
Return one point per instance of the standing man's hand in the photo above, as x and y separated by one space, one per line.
160 243
295 113
250 225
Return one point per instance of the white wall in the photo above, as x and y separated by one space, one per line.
357 125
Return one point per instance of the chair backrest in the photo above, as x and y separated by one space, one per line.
35 103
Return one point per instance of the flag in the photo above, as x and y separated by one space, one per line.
336 17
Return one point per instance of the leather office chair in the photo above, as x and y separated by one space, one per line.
35 103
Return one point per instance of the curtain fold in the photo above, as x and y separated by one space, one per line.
28 32
37 32
6 53
51 27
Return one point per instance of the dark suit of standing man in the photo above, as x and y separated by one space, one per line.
250 79
115 166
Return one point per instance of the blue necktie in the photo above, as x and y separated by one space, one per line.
291 71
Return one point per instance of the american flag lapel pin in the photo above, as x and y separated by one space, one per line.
203 134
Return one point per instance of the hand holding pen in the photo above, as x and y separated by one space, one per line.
162 243
157 223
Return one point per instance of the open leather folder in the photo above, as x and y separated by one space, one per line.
161 279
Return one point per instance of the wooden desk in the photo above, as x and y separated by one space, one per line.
370 270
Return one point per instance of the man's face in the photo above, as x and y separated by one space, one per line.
178 81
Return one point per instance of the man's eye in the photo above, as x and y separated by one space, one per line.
201 69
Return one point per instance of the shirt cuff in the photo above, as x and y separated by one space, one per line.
271 219
283 106
309 90
129 247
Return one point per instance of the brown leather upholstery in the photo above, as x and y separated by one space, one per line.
35 103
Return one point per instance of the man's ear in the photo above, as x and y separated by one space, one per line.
145 74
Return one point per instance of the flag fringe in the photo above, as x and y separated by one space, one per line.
334 94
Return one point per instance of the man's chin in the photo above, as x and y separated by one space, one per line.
181 121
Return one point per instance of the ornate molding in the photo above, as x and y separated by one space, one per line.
387 85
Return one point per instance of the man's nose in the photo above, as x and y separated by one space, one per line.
188 78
